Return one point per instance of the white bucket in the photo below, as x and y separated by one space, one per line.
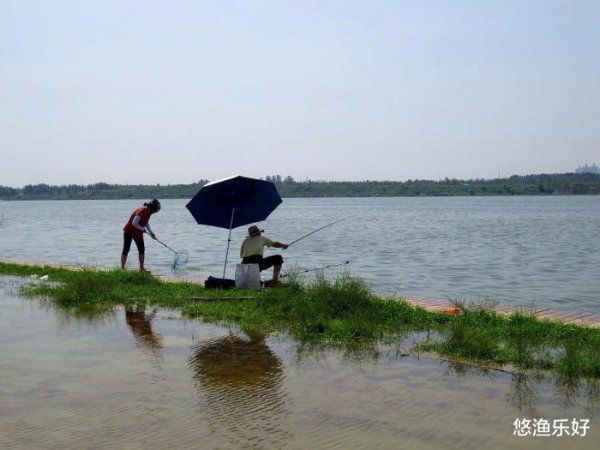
247 276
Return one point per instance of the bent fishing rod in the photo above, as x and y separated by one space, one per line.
317 268
318 229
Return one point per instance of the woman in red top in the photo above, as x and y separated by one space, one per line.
134 229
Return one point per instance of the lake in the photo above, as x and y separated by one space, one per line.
542 251
148 379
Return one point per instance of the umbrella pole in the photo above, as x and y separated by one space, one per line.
228 240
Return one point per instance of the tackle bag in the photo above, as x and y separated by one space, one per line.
219 283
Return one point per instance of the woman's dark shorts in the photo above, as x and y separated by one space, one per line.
263 263
139 242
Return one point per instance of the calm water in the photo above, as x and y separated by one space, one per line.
134 379
543 251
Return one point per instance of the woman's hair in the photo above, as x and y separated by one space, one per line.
154 204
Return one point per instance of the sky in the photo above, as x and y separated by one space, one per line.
169 92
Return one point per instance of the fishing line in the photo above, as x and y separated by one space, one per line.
317 268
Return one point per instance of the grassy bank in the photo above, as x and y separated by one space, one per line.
342 313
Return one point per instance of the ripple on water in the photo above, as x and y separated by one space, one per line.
510 246
66 384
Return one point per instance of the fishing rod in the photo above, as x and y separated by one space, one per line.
317 268
318 229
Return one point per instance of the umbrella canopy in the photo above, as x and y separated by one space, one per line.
233 202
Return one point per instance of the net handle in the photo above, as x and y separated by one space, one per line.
165 245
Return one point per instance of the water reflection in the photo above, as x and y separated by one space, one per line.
146 339
241 381
140 324
570 390
242 390
523 393
524 389
68 316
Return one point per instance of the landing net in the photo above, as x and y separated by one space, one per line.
181 259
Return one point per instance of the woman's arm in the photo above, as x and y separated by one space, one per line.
147 229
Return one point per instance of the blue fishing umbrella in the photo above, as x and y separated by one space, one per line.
232 202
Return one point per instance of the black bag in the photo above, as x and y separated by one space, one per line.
219 283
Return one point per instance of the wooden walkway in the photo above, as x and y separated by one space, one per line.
571 317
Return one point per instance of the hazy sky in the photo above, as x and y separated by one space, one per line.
177 91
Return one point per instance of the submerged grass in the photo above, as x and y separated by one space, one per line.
342 313
522 341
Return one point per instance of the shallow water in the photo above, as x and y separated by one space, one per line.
147 379
541 251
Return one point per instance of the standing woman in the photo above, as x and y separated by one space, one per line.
134 229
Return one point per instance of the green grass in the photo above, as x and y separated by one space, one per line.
342 313
521 341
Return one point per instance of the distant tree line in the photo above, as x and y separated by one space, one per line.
542 184
99 191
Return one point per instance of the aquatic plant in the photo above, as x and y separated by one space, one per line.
342 313
520 340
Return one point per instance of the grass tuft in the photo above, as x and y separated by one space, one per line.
342 313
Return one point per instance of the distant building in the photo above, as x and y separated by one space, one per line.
588 169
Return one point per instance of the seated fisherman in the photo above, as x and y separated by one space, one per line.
252 252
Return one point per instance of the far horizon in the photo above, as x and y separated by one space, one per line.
283 178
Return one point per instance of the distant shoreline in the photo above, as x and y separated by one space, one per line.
541 184
49 199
